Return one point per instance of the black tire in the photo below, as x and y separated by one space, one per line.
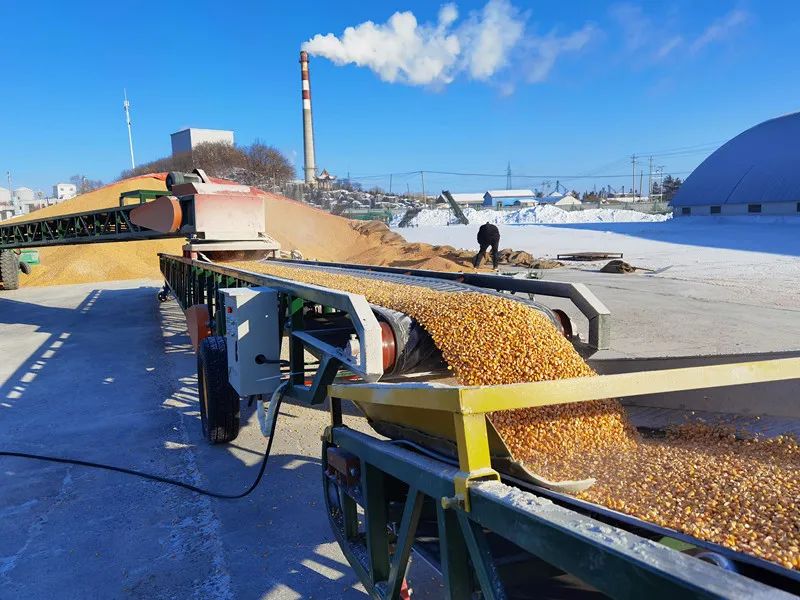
162 297
219 402
24 267
9 269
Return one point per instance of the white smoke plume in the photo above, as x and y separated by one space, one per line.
479 46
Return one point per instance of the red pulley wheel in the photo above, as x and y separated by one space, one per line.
389 346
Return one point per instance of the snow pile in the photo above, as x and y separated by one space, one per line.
541 214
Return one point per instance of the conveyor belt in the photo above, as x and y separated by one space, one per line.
420 281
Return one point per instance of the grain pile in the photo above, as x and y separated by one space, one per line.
744 494
297 226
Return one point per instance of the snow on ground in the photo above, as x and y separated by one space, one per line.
535 215
756 258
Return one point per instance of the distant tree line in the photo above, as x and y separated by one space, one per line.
256 164
83 184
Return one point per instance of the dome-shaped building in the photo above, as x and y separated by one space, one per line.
757 172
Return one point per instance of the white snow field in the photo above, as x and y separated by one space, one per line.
756 258
535 215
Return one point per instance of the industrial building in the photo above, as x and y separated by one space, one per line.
473 200
185 140
64 191
509 198
753 173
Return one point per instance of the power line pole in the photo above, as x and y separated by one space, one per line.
641 177
422 175
633 176
127 108
390 183
11 192
508 176
650 179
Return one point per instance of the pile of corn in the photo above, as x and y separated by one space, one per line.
744 494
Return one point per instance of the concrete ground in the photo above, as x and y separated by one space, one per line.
654 315
104 373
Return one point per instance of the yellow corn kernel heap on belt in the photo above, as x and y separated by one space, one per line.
744 494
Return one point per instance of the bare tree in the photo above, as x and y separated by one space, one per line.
269 162
83 184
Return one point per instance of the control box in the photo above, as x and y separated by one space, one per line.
253 336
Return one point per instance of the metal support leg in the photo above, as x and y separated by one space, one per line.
456 571
373 482
482 560
408 529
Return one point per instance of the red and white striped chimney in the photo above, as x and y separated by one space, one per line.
309 168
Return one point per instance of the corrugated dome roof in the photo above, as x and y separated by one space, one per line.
759 165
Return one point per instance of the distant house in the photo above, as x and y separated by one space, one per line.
473 200
64 191
494 198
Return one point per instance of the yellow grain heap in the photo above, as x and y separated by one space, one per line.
744 494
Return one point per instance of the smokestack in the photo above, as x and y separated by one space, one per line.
309 168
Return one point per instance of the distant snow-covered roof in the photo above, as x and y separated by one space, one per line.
758 165
509 193
468 198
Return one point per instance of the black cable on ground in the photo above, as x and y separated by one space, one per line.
158 478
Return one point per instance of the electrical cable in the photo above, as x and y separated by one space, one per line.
157 478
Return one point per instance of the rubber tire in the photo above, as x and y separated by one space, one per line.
219 402
9 270
162 297
25 267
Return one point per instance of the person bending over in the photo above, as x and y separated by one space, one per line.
488 235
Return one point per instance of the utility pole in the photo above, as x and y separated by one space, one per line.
633 176
127 108
422 175
390 183
650 179
641 176
508 176
12 198
661 183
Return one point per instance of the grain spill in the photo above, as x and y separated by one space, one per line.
703 481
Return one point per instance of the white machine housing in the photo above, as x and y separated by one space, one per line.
252 329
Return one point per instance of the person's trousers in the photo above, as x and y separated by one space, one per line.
482 253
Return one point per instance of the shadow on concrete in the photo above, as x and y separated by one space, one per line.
773 235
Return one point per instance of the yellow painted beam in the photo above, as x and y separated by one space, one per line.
581 389
446 398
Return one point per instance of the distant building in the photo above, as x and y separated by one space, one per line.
185 140
494 198
64 191
472 200
6 211
754 173
325 180
5 196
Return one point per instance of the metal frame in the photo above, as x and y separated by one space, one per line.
97 226
196 282
589 305
614 561
469 405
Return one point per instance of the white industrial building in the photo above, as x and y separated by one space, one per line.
495 198
186 139
754 173
64 191
5 196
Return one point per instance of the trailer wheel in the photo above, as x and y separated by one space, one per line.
24 267
219 402
9 269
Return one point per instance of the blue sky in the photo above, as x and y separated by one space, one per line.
558 89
